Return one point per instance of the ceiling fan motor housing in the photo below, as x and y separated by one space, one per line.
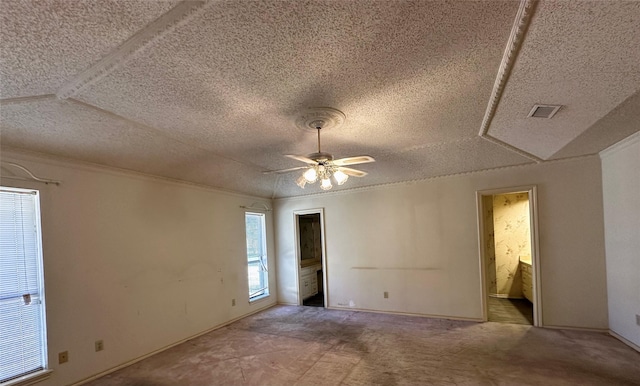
321 157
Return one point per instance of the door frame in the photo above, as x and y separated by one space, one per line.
532 191
325 287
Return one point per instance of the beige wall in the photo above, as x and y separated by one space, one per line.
419 242
143 263
136 261
621 188
512 239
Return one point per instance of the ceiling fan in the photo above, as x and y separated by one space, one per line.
320 165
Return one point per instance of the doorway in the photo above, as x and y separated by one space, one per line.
311 259
509 261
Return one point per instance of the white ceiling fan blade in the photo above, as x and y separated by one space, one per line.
352 172
301 158
284 170
361 159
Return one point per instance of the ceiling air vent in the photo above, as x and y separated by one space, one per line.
544 111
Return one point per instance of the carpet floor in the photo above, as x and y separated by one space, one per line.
289 345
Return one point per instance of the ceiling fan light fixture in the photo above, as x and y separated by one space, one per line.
321 166
340 177
301 181
326 184
311 175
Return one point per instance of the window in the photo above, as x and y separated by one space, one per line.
257 256
22 316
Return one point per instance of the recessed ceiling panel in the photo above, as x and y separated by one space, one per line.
45 43
580 54
234 77
583 107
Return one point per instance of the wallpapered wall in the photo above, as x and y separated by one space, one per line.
489 244
507 240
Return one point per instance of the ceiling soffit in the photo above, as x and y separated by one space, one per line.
270 60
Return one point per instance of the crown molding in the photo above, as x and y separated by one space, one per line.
523 17
518 32
177 16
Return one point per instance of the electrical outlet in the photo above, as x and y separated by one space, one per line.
638 319
386 295
99 345
63 357
233 302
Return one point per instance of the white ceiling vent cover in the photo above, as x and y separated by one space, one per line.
544 111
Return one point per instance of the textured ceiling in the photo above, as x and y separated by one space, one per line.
46 43
583 55
208 92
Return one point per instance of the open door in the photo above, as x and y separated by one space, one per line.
311 260
509 260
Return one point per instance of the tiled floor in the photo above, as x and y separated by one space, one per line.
515 311
289 345
316 300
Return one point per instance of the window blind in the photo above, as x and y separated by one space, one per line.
22 326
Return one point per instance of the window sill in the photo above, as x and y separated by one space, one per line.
29 379
253 300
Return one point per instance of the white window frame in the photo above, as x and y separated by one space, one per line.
261 260
31 377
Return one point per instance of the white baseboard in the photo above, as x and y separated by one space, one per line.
287 304
624 340
601 330
407 314
138 359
